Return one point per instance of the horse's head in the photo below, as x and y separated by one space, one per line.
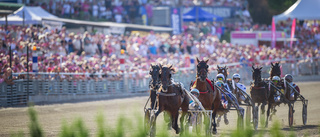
223 70
202 69
165 76
155 75
256 75
275 70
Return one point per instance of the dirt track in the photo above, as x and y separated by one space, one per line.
51 116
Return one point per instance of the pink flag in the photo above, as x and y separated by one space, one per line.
293 29
273 34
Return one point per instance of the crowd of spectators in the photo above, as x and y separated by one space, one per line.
125 11
67 52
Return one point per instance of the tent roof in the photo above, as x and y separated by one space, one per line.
202 15
110 24
33 15
302 10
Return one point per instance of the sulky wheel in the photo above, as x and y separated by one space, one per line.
304 114
152 131
248 114
198 123
240 122
255 117
290 115
147 120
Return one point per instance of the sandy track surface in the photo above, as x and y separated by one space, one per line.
51 116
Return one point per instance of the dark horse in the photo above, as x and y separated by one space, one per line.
209 98
275 71
260 93
154 84
171 97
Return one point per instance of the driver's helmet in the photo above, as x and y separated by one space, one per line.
288 77
220 77
220 83
236 75
196 91
275 78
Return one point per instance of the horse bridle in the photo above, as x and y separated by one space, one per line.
203 68
170 83
157 82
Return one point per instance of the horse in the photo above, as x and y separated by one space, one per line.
224 71
275 71
209 97
259 90
171 97
154 84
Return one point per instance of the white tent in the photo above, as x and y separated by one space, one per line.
302 10
33 15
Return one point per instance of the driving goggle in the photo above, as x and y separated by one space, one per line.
236 79
220 79
194 93
275 81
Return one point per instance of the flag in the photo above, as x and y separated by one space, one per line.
273 34
293 29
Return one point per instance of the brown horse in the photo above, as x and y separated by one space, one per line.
209 98
224 71
171 97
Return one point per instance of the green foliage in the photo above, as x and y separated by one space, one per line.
101 132
34 126
280 6
76 129
275 130
19 134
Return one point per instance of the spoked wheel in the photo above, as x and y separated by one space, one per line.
304 114
198 125
152 130
290 115
240 122
147 120
248 114
255 117
208 126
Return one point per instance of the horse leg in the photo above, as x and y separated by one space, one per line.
215 109
175 122
218 120
226 121
263 108
153 96
268 113
214 124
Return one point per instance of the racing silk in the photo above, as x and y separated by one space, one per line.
242 87
226 86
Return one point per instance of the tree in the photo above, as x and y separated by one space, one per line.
262 10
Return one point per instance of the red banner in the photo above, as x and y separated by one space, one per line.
293 29
273 34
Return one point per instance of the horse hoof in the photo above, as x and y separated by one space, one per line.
214 132
226 121
178 131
